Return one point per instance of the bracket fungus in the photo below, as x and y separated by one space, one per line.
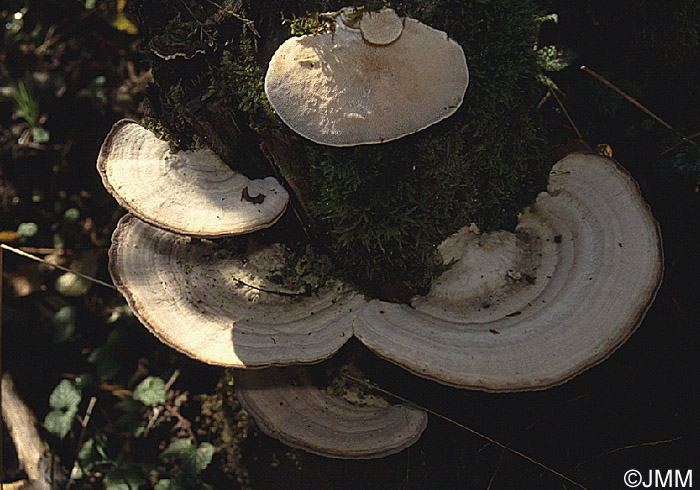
381 27
189 192
286 405
338 89
221 307
531 309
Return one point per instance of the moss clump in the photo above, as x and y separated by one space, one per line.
303 270
239 79
161 131
386 207
382 209
306 24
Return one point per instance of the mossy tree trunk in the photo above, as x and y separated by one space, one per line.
195 101
378 210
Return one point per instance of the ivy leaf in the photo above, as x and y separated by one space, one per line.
171 484
63 324
205 452
125 478
183 450
150 391
164 484
193 460
27 230
65 396
59 421
64 401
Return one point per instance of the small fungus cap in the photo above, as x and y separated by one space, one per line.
286 405
337 89
221 306
381 27
189 192
532 309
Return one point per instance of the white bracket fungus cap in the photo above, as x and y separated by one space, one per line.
531 309
222 308
189 192
381 27
286 405
338 89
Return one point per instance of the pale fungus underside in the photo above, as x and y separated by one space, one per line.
286 405
532 309
221 306
337 89
514 311
188 192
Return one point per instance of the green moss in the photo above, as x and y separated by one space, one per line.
306 24
239 79
161 131
231 427
384 208
303 269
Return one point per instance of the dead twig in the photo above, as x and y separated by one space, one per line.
563 109
185 423
632 446
633 101
688 139
464 427
33 453
56 266
81 439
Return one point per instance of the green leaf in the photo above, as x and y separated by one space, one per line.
150 391
59 421
63 324
64 401
205 452
125 478
65 396
108 368
71 215
550 17
40 135
163 485
183 450
27 230
72 285
193 460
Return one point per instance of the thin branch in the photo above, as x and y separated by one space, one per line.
464 427
81 439
688 139
56 266
632 446
561 105
628 98
186 423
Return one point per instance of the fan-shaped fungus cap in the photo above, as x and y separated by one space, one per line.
531 309
287 406
381 27
337 89
189 192
221 307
